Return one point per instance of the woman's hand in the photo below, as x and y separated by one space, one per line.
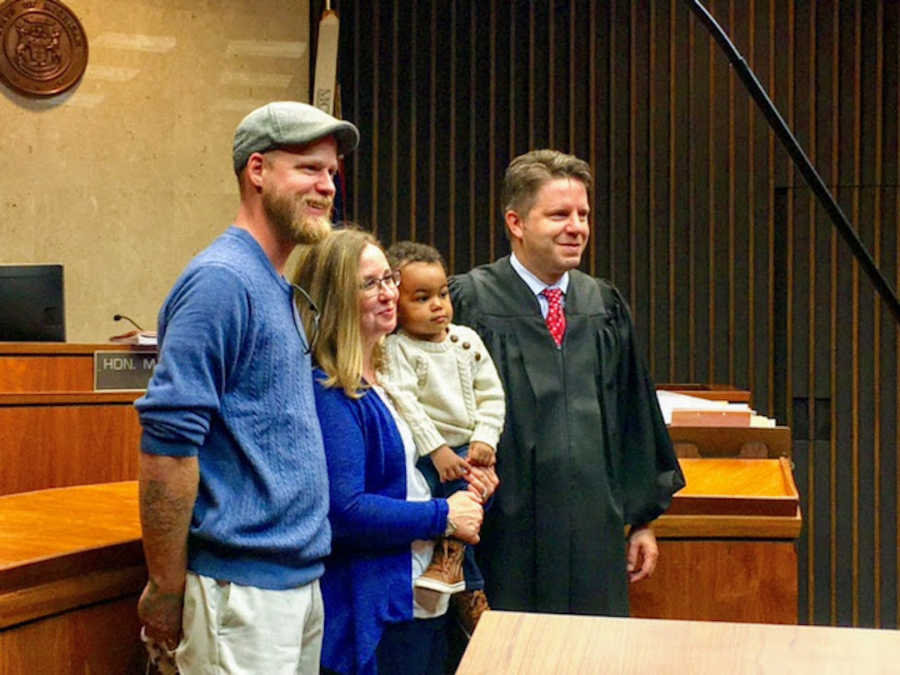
483 481
467 514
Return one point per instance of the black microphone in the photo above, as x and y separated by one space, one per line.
119 317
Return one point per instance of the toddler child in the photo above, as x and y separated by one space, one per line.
447 389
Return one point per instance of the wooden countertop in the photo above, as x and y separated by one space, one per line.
67 547
514 642
68 348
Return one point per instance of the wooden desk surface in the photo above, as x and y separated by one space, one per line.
65 547
67 348
35 526
513 642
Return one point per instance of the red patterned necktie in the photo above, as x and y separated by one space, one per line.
556 319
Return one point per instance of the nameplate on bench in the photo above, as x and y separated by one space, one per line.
123 370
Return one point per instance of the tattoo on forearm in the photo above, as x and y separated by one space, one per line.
161 510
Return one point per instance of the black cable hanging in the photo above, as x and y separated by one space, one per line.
801 161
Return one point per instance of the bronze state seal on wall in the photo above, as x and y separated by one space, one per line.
43 48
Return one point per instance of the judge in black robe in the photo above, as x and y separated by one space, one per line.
584 452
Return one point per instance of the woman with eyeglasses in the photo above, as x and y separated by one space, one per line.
382 515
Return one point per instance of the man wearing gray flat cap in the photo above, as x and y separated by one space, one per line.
233 483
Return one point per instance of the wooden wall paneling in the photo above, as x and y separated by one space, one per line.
50 366
761 298
887 548
384 49
817 556
46 373
489 194
868 515
602 124
520 62
444 140
599 148
351 96
748 581
824 92
482 205
642 244
398 116
93 640
681 315
432 126
455 110
876 323
620 129
720 263
101 444
461 203
553 71
659 328
823 596
597 118
752 203
738 226
704 109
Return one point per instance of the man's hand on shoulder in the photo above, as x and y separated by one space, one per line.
642 554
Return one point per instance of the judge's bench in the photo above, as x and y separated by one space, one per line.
71 566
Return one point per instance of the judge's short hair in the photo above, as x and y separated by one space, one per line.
329 272
405 252
527 173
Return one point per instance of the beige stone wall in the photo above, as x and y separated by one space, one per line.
125 179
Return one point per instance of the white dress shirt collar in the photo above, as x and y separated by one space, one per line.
535 284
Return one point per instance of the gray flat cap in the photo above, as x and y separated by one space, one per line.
289 123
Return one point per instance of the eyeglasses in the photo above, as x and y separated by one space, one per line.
388 282
315 317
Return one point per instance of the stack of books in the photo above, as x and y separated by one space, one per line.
684 410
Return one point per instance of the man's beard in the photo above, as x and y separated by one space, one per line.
287 215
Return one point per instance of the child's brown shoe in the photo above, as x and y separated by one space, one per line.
469 606
445 573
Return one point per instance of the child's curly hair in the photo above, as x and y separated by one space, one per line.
405 252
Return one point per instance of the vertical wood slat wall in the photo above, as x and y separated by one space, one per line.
734 273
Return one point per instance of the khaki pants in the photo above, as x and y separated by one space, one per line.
234 629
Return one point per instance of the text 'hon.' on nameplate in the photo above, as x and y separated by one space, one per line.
123 370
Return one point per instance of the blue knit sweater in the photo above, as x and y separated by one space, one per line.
234 388
368 577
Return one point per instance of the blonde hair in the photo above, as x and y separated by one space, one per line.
329 272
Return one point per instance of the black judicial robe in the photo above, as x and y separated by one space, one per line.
584 451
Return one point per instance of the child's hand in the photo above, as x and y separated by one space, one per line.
481 454
448 464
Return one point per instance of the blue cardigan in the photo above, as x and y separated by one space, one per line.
368 577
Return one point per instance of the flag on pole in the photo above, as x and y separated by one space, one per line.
325 90
325 80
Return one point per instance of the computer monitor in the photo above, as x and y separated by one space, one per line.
31 303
